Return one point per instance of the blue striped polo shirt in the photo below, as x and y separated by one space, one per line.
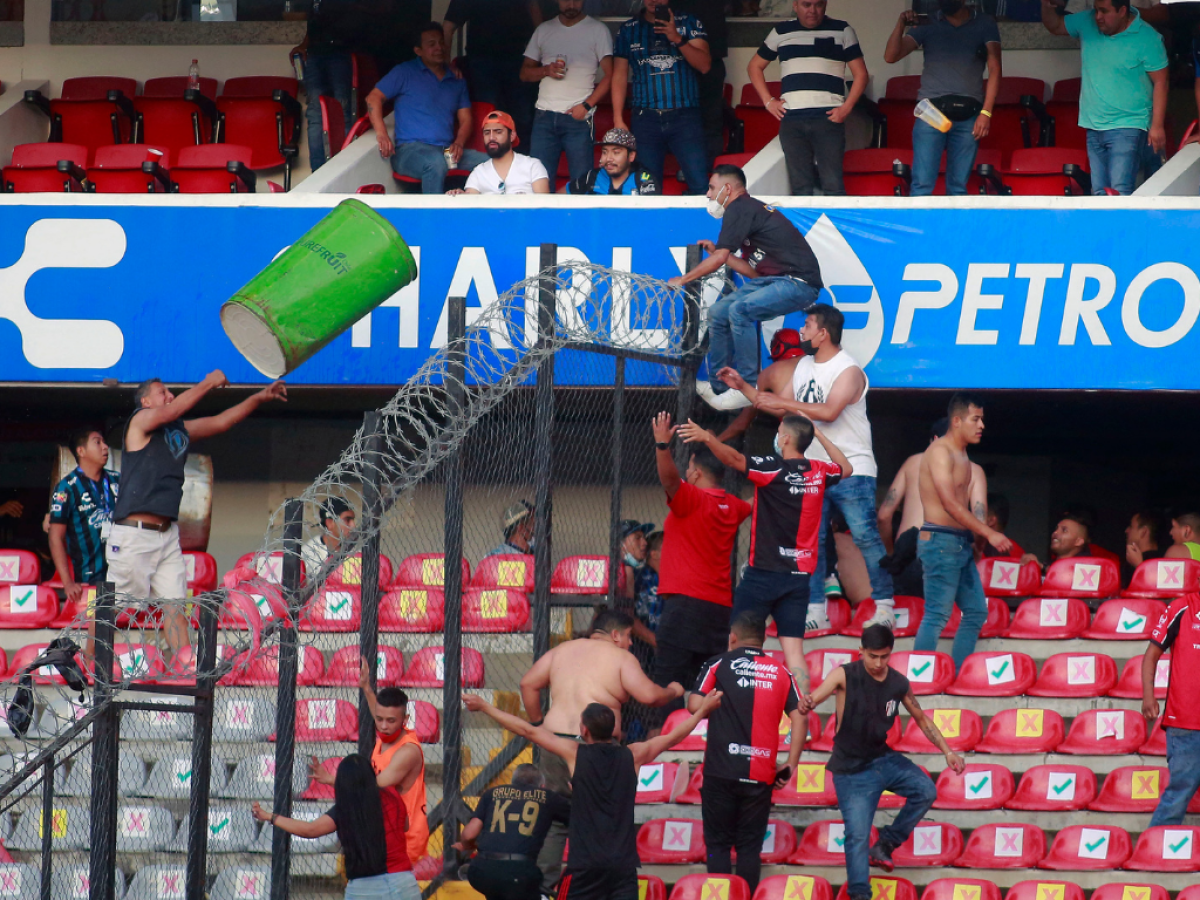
813 63
659 76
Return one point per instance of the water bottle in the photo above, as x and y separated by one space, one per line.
932 116
194 76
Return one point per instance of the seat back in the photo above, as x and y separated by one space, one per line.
412 610
697 740
350 572
823 843
931 844
305 812
1129 685
423 720
810 785
1016 846
1167 848
960 889
27 606
495 610
997 622
144 828
1087 577
1164 578
1120 891
262 670
651 887
822 662
1023 731
344 665
581 575
326 719
333 609
868 172
1044 889
333 125
1127 619
1076 675
1014 127
254 86
268 567
205 156
17 563
793 887
202 169
426 570
1105 731
66 881
1131 789
510 571
1055 787
994 674
885 888
231 829
927 672
158 882
171 122
1050 619
1081 847
92 123
671 841
710 887
1004 577
980 786
427 668
70 828
172 87
131 156
96 87
909 611
254 779
1038 172
962 729
160 724
243 719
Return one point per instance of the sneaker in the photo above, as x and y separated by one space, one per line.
884 615
818 618
881 856
727 400
833 587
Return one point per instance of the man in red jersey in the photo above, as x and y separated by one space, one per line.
695 585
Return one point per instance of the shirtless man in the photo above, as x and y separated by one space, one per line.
946 542
596 669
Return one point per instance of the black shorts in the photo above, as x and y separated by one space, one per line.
504 879
600 884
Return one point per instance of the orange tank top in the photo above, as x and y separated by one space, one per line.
414 797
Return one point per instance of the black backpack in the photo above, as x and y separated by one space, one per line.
61 654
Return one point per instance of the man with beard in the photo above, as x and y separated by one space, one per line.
957 43
505 172
619 172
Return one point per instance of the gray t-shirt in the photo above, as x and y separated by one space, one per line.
955 57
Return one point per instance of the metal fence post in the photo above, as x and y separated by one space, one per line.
372 516
452 587
543 432
47 827
202 725
285 704
688 346
615 557
106 733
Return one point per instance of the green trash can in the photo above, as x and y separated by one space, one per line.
341 269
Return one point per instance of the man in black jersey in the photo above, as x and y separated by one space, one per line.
869 694
603 859
508 828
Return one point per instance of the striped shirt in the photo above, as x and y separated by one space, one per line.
85 507
813 62
659 76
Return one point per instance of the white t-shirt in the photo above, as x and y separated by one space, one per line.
523 172
582 46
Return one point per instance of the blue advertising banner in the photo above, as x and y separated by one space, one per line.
934 297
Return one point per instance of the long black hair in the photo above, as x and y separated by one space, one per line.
360 816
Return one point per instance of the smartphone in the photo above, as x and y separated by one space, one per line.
662 14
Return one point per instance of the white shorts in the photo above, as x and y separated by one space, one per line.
147 565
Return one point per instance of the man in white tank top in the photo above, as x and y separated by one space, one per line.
830 387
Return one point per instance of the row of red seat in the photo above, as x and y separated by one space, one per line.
999 846
1033 172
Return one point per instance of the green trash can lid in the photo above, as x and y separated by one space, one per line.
254 340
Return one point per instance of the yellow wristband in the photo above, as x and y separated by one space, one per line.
984 112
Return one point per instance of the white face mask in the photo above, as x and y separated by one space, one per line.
778 446
716 208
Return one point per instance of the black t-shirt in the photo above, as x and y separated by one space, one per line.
788 495
497 27
516 819
867 715
603 792
772 244
711 14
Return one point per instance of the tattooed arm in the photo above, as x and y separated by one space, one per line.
887 509
930 730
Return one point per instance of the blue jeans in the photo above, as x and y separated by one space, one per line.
557 133
928 144
427 162
950 578
392 886
855 499
1183 767
1115 157
858 798
680 131
733 321
327 73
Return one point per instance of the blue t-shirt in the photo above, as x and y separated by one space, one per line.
1116 90
955 56
645 599
426 106
85 507
659 76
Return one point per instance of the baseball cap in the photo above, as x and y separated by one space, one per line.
619 137
786 344
334 507
506 120
514 513
629 526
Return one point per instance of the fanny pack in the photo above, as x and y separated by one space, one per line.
958 107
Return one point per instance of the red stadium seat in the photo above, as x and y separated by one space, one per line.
691 793
1086 577
962 729
344 665
138 662
928 672
1191 892
710 887
426 668
1044 890
994 674
1128 619
1054 788
267 599
263 669
333 609
1008 846
269 567
823 843
896 105
1164 579
1084 847
479 112
980 786
824 743
930 844
174 86
326 719
697 740
45 168
671 841
837 610
1022 731
511 571
364 75
995 625
424 721
333 126
778 844
1156 744
132 169
793 887
495 611
1129 685
27 606
84 114
812 730
1075 675
656 782
1133 789
318 791
888 800
427 570
1004 577
1110 732
810 785
261 113
885 888
960 889
1014 127
908 616
172 121
1040 172
237 612
26 655
1050 619
71 613
412 610
201 571
1063 108
1110 891
1167 848
581 575
350 572
213 169
869 172
822 662
761 127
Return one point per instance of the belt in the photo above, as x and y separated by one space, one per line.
145 526
946 529
507 857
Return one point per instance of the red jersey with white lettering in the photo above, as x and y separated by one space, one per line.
743 732
788 494
1178 630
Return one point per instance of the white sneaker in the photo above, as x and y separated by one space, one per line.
818 618
833 587
729 400
884 615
